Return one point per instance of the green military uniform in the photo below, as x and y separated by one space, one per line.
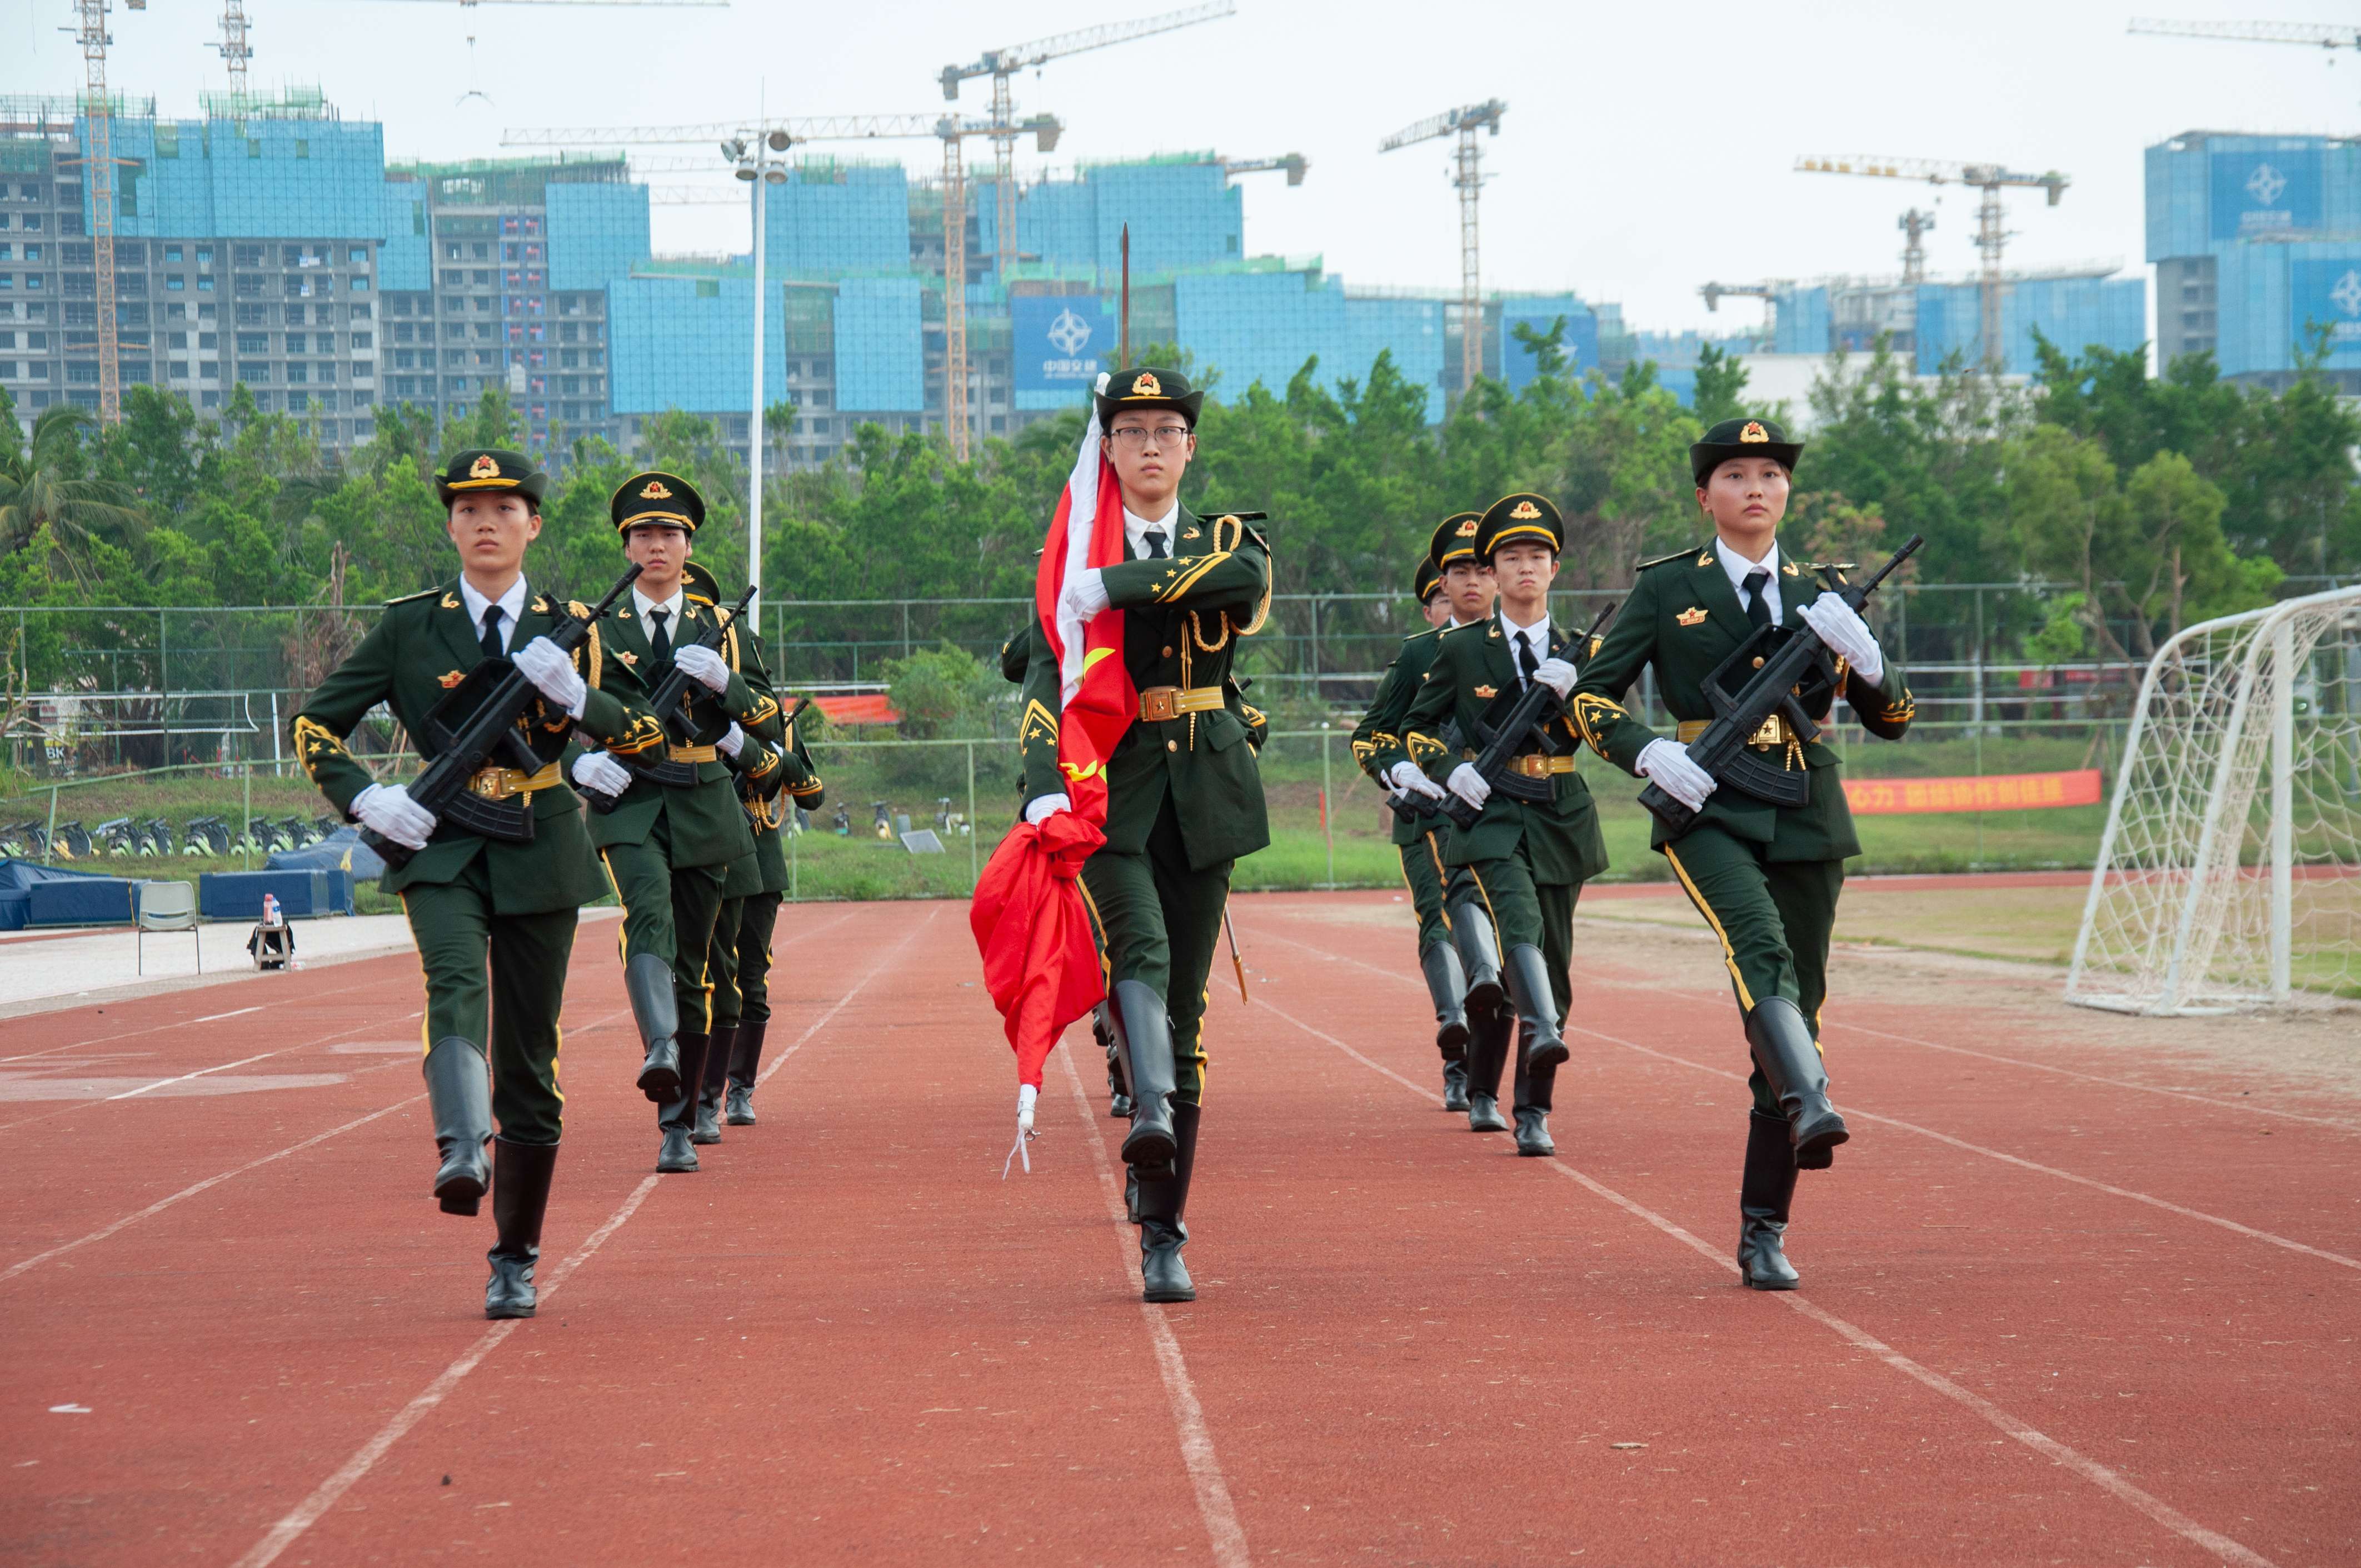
1378 747
799 786
1184 801
1765 877
668 846
493 919
1527 859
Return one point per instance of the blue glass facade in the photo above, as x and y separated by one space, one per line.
1184 215
263 179
879 357
687 343
832 219
596 232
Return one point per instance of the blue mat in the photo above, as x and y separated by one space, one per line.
301 894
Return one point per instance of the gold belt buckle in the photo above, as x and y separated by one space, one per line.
1158 704
1772 732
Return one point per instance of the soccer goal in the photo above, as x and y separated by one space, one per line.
2229 876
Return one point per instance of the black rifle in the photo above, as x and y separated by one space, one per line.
1536 708
665 698
754 791
467 738
1789 657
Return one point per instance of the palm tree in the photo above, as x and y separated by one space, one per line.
38 489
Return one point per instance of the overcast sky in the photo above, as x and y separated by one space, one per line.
1647 148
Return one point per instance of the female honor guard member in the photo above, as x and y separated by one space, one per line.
1765 877
798 781
668 845
1184 795
1454 589
471 900
1536 844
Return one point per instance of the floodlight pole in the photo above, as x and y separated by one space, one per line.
754 427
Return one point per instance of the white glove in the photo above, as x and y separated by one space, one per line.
549 668
598 772
1667 762
1842 628
1044 806
703 665
1470 785
388 811
1085 593
732 743
1407 777
1556 674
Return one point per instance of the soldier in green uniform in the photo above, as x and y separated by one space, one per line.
1537 840
668 846
1454 589
474 904
1184 793
798 784
1765 877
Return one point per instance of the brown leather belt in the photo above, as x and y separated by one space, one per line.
499 784
1772 732
690 754
1533 764
1158 704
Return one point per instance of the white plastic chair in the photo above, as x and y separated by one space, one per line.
165 907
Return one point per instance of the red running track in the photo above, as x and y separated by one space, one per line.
2047 1318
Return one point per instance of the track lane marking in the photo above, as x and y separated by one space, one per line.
308 1513
1223 1531
2106 1479
1853 1108
160 1028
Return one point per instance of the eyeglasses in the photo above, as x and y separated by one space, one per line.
1135 438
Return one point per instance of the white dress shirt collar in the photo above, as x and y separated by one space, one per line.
672 607
1539 631
512 605
1135 530
1740 568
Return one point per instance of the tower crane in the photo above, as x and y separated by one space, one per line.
232 48
1915 226
1000 64
1767 292
2319 35
1291 164
1466 122
98 161
1992 237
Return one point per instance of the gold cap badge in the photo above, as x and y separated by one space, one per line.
1524 511
1754 431
1467 530
1691 616
484 467
1147 386
656 491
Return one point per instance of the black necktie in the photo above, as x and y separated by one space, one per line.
1758 608
1154 540
490 642
1526 663
661 641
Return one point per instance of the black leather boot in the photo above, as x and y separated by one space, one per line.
1145 1032
1764 1191
676 1117
1782 1048
647 980
1163 1203
1529 986
1479 947
1532 1133
717 1078
459 1098
1454 1085
520 1198
745 1061
1448 989
1118 1092
1485 1057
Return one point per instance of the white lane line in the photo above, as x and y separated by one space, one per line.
160 1028
1227 1537
1852 1108
2108 1480
203 1071
161 1205
306 1514
822 1022
217 1017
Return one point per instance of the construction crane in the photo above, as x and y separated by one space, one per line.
1466 122
232 48
1767 292
1292 164
1992 234
951 129
98 161
1000 64
2319 35
1914 224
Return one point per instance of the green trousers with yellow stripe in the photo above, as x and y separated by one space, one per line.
1423 873
1158 922
499 981
1528 913
669 912
1774 918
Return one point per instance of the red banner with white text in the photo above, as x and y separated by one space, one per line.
1993 792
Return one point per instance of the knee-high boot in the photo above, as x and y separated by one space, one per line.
717 1048
1764 1191
676 1117
1143 1031
1529 986
520 1199
1479 947
1487 1057
1163 1206
745 1061
1782 1048
647 980
1446 985
1118 1091
459 1098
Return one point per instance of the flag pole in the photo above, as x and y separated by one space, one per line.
1123 350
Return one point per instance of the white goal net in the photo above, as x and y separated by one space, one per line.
2230 872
